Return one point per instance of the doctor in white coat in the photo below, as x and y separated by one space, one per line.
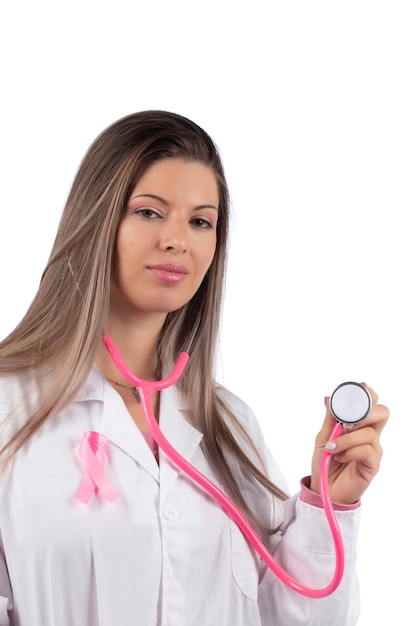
140 254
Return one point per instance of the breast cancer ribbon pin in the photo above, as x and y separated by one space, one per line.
93 456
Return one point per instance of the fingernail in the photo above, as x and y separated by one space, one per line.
330 445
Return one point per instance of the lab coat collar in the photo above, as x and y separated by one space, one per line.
93 387
120 429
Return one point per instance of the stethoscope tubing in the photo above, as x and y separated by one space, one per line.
146 388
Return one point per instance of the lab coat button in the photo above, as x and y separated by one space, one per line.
171 514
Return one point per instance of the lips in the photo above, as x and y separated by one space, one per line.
169 273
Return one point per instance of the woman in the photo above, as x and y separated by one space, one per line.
140 255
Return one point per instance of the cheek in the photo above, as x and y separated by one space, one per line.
205 262
124 248
210 252
116 262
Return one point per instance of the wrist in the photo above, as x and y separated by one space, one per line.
312 497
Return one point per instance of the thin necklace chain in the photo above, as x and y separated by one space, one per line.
133 389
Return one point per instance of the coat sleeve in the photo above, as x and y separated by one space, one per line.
5 590
10 396
306 552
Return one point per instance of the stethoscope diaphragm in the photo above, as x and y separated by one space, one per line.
350 403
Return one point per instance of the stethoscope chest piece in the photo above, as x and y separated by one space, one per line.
350 403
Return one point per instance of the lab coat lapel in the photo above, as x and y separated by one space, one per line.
178 431
120 429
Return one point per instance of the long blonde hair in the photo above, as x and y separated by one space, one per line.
59 335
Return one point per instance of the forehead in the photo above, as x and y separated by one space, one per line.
174 177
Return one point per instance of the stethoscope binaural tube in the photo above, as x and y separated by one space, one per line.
146 388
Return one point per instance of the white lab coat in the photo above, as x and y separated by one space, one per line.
164 553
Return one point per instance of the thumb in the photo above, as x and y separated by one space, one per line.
322 438
327 426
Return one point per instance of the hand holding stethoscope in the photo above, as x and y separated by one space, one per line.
356 454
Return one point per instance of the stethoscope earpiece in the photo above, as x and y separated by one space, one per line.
350 403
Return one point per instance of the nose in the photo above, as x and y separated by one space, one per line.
174 237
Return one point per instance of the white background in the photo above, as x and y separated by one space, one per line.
313 106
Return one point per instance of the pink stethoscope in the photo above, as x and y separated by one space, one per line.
351 400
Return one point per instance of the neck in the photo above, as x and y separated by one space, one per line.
137 344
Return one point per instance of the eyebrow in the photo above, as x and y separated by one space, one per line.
166 203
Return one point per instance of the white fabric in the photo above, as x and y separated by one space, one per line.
164 553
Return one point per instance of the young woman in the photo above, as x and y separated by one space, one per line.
140 255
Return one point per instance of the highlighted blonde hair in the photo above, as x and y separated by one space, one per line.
58 337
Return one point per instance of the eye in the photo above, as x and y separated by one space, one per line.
147 213
201 222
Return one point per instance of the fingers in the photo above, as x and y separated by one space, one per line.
370 430
377 419
372 393
379 414
356 453
361 443
355 445
366 457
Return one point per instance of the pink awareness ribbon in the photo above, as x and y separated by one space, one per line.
93 455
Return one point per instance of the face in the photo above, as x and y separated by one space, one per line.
167 239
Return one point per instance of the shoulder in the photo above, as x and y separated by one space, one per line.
22 395
27 388
235 403
243 415
240 410
14 391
